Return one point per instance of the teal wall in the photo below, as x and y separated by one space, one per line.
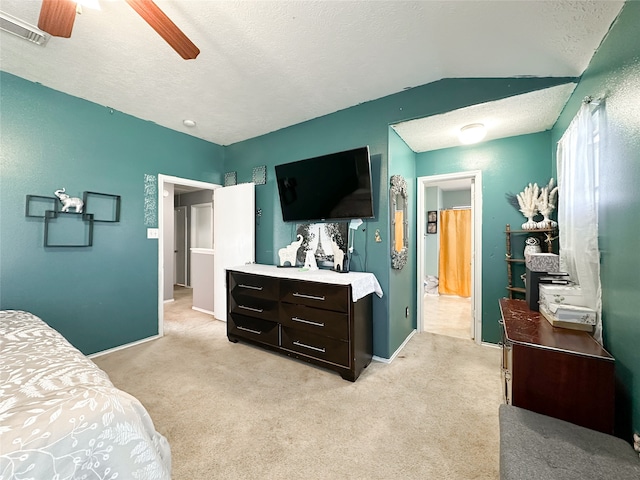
614 73
402 161
106 295
507 166
366 124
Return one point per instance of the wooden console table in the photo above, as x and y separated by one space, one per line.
558 372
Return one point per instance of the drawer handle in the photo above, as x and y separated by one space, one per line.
257 332
250 287
299 344
259 310
311 297
309 322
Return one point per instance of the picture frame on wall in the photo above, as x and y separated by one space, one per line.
432 216
432 227
317 238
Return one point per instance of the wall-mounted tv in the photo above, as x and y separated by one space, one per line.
336 186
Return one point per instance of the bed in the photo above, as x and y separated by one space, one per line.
60 415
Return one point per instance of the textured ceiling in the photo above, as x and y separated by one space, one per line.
528 113
266 65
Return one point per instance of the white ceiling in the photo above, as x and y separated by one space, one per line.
266 65
517 115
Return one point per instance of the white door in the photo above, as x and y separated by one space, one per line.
234 233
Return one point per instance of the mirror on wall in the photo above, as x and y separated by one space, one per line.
399 222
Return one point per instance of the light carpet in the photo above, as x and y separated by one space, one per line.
232 411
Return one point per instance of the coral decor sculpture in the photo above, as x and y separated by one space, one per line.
528 200
546 204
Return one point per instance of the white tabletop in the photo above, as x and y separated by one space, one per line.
362 283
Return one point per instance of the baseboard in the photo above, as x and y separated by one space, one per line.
197 309
170 300
122 347
397 352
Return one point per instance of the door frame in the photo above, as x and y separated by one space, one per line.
162 181
476 239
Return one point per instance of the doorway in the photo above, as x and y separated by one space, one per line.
429 242
167 266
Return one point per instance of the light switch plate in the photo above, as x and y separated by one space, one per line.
152 233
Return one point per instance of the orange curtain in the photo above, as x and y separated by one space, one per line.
455 253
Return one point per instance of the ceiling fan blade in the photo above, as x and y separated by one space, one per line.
168 30
57 16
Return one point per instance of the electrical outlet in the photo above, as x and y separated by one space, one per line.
636 442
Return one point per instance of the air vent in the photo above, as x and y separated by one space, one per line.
21 29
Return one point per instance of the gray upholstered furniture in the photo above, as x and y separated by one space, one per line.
538 447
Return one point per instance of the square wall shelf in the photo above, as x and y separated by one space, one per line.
68 229
103 206
38 205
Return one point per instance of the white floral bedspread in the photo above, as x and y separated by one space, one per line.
62 418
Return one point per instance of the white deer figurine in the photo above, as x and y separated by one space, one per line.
68 202
289 253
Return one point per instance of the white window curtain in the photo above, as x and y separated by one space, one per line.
578 155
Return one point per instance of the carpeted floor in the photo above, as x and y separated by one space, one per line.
232 411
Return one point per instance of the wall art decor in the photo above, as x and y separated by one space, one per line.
230 179
150 200
259 175
327 241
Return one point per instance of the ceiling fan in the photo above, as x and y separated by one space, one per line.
57 16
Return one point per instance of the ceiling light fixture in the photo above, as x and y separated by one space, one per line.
472 133
189 123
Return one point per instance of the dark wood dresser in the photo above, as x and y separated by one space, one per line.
315 321
558 372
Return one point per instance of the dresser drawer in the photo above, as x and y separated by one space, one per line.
244 284
254 307
314 320
318 295
316 346
253 328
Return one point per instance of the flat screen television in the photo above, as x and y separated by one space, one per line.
330 187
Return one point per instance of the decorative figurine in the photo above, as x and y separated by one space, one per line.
68 202
338 256
310 261
288 253
532 245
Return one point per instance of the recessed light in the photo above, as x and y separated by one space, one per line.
189 123
472 133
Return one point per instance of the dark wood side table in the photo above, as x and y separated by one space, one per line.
558 372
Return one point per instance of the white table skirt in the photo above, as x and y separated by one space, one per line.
362 283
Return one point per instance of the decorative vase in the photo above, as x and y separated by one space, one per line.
532 245
530 224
